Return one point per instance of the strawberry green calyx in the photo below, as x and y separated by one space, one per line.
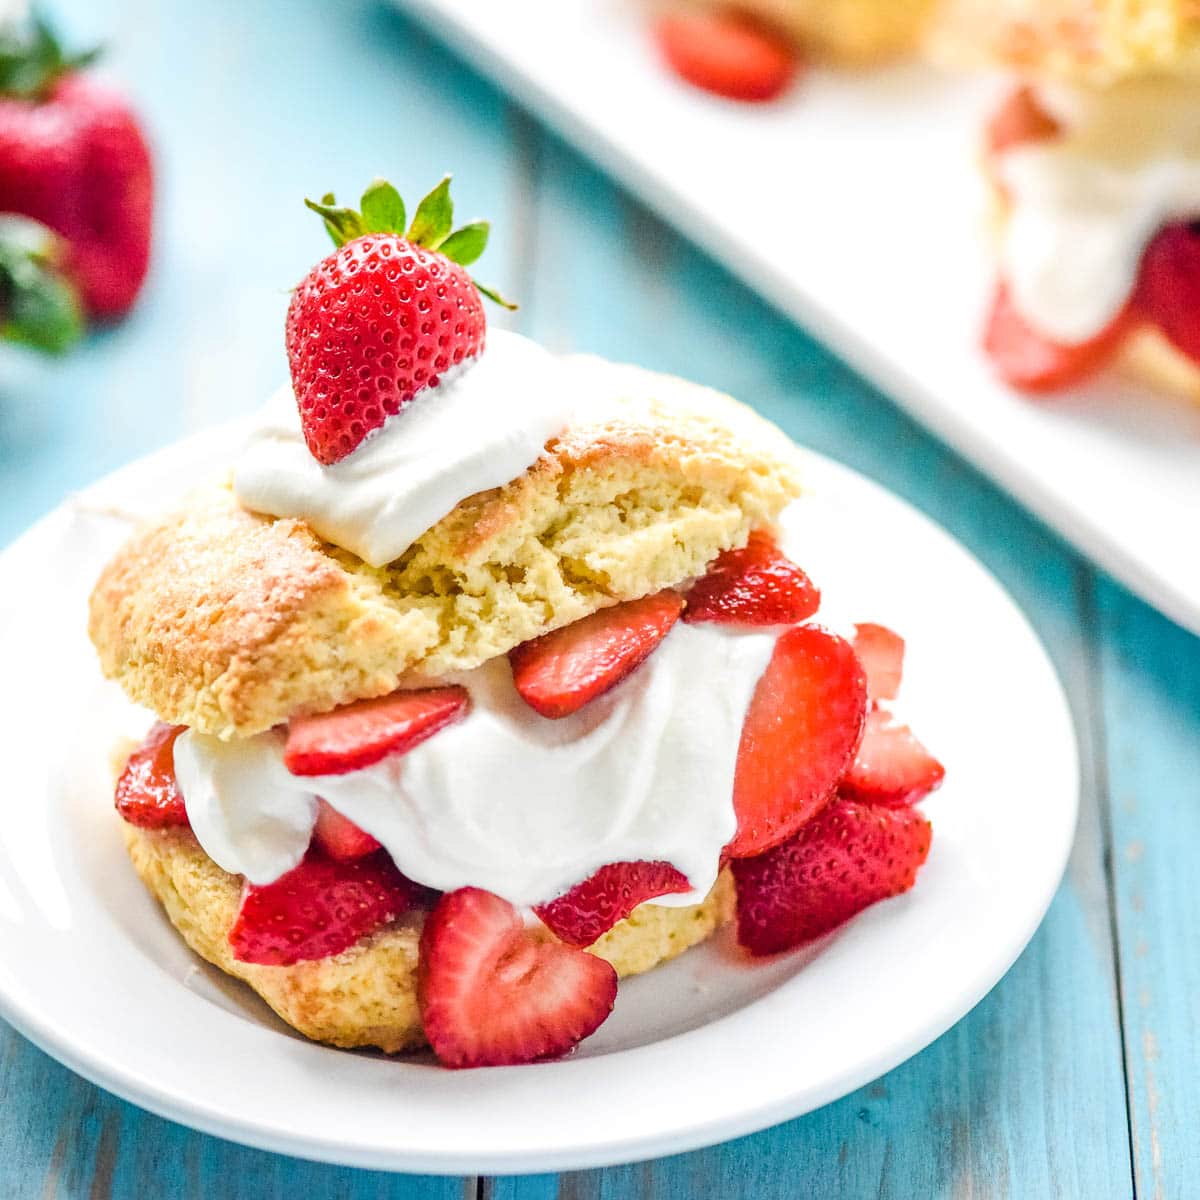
381 210
32 59
39 307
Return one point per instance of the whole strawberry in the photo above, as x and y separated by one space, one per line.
384 317
72 156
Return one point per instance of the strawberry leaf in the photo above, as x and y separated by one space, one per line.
31 59
38 305
465 245
383 212
434 218
382 208
343 224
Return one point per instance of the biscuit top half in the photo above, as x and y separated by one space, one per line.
232 622
1093 43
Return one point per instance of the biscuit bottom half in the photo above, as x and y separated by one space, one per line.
367 996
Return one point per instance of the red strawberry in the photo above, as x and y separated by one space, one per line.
147 795
384 316
1168 291
359 734
726 53
492 994
339 837
891 767
559 672
318 909
1019 119
881 653
756 585
803 726
843 860
73 156
1032 362
591 908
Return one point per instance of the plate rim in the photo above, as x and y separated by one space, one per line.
175 1105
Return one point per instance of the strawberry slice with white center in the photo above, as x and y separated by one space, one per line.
360 734
339 837
800 733
318 909
591 908
881 653
559 672
755 585
846 858
891 767
147 794
493 994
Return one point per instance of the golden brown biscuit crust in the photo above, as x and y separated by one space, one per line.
849 32
231 623
1088 42
368 995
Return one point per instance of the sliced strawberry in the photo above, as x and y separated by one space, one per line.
726 53
1018 120
891 767
559 672
843 860
1168 291
359 734
493 994
339 837
318 908
756 585
1029 360
591 908
881 653
800 733
147 794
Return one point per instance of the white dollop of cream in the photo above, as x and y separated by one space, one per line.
485 423
507 800
250 813
1085 203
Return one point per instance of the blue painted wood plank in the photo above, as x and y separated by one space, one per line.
1151 672
1024 1097
62 1138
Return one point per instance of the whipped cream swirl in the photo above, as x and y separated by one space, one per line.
1085 203
507 800
486 422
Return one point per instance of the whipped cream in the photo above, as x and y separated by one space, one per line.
507 800
486 422
1085 203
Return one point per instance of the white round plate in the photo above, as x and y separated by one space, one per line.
709 1047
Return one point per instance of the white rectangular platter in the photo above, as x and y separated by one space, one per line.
870 230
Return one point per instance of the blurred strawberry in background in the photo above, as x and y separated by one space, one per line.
73 157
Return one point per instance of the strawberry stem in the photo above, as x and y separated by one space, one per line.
381 210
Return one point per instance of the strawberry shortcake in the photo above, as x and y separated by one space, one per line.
1094 160
490 677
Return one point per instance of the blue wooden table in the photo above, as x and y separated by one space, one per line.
1078 1076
